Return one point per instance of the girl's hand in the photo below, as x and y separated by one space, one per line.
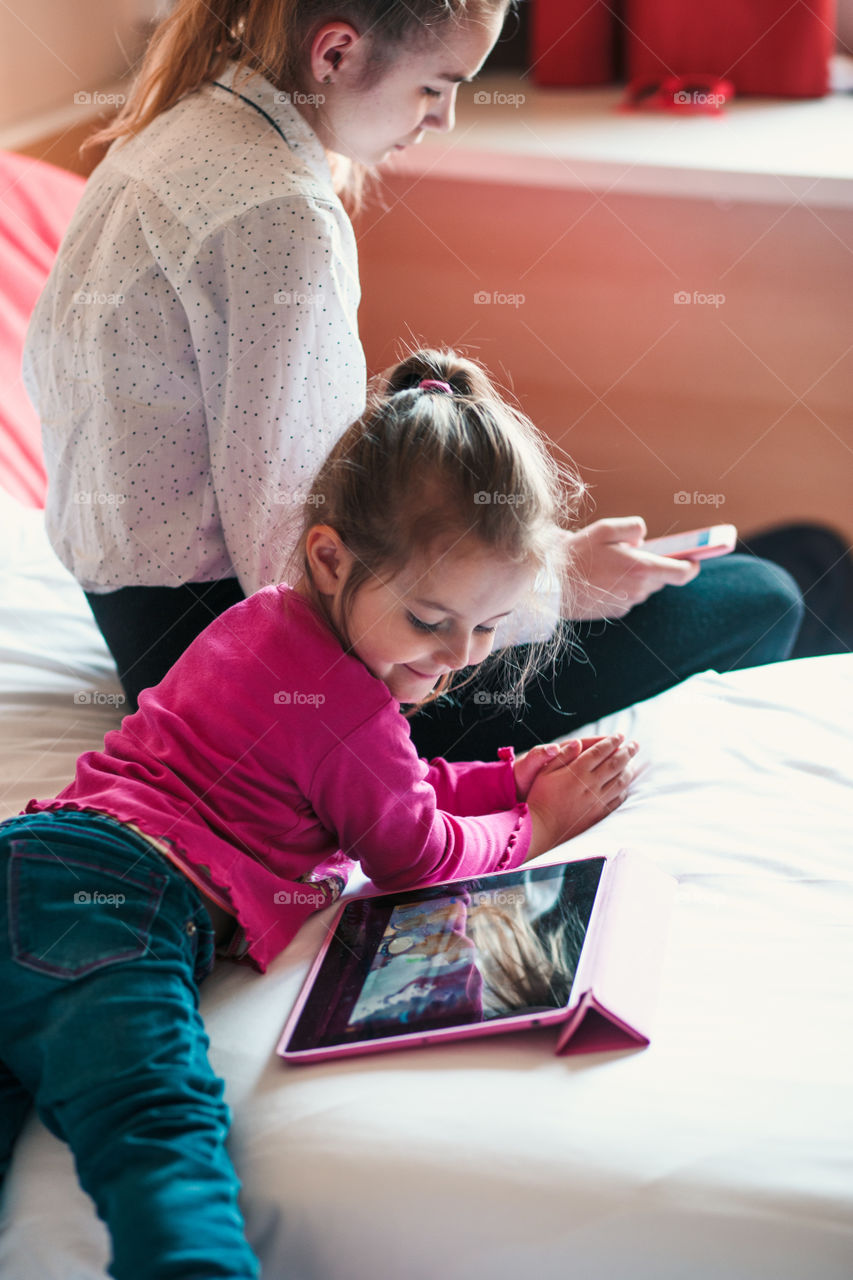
530 763
569 795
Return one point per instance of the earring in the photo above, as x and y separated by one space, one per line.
327 79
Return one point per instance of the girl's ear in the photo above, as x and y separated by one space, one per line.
334 43
328 559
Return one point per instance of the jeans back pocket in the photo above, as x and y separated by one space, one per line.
76 906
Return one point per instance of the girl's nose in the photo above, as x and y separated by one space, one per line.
455 652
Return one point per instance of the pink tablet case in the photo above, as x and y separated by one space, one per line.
616 984
619 974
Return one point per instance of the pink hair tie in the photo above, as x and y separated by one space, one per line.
430 384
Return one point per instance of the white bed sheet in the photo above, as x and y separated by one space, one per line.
723 1150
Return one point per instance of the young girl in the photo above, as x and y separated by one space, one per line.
231 805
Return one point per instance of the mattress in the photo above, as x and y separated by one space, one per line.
724 1149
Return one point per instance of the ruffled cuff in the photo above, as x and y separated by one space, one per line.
506 755
518 844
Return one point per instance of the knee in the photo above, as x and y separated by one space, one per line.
777 592
771 601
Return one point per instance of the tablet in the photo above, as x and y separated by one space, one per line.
467 958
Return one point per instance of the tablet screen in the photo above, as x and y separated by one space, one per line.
498 946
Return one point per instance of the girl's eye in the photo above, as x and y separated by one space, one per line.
432 93
421 625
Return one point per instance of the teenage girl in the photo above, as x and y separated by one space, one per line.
233 803
195 352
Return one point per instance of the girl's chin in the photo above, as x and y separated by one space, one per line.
409 687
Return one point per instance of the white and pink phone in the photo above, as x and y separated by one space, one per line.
698 544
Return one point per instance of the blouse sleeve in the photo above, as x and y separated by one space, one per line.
373 791
473 787
271 305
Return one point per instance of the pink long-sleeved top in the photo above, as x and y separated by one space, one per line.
268 758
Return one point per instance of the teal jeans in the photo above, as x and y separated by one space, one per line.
102 946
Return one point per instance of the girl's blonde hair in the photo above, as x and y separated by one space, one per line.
525 966
192 46
422 470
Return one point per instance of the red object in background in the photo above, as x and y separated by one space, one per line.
36 204
696 95
573 42
762 46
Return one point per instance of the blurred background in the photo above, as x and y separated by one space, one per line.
669 297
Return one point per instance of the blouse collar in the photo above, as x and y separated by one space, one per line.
283 116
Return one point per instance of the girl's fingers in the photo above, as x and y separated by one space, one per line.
611 755
538 758
566 754
618 764
616 791
601 750
594 778
622 779
612 781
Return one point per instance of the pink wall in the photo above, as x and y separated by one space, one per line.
748 401
51 50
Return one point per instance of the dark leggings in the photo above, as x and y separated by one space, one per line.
739 612
148 628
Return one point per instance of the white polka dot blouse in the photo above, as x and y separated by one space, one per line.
195 352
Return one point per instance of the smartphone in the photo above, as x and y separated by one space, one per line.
698 544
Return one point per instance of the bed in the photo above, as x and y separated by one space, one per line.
724 1149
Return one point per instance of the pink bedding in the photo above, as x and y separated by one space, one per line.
36 204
